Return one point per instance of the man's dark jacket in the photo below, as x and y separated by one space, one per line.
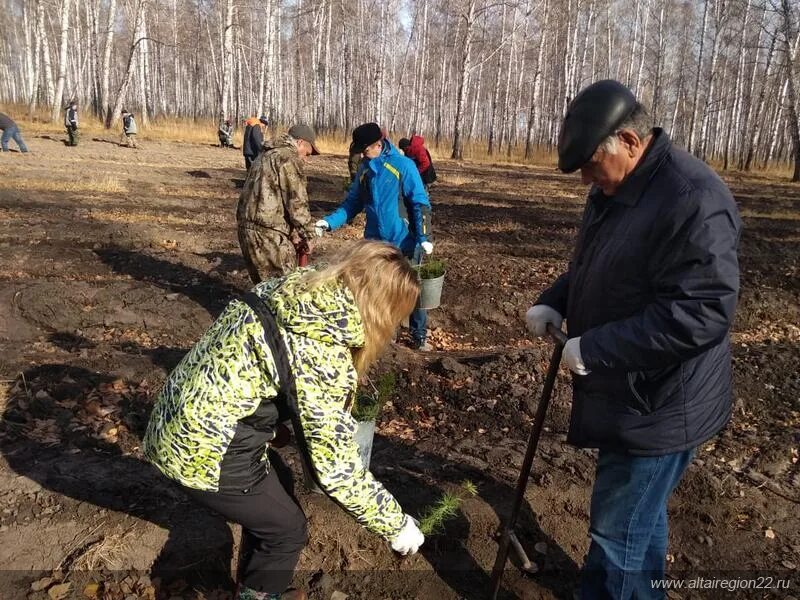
253 141
651 290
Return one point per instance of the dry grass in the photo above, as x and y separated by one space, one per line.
458 179
189 192
777 215
107 553
132 216
204 132
106 184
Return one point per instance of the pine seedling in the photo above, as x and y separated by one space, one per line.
433 518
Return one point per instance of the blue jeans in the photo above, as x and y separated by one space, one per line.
418 321
418 324
628 524
12 132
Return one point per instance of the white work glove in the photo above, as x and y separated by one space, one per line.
572 355
409 539
427 247
539 316
320 227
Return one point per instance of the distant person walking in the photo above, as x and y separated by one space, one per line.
10 131
415 150
225 134
71 123
129 130
274 223
253 139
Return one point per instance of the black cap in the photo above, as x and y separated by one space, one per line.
403 143
593 115
366 135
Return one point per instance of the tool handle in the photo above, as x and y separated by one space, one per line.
533 443
559 337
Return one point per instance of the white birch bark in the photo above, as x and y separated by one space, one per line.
227 61
106 65
691 142
466 62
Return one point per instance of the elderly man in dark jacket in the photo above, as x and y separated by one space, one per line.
649 297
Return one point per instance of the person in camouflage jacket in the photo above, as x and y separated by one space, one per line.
272 216
215 419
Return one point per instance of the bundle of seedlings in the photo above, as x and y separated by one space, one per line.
371 397
433 518
432 269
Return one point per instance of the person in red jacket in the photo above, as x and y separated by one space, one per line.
415 150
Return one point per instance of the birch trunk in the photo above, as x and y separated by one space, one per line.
789 33
463 86
693 123
227 62
106 67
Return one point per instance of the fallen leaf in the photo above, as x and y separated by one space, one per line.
41 584
769 534
60 591
91 590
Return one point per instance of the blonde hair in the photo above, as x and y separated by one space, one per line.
384 286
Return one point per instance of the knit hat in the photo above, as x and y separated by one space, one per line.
366 135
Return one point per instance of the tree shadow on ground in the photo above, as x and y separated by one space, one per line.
209 292
76 433
107 141
417 479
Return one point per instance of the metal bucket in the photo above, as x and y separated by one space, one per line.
363 436
430 292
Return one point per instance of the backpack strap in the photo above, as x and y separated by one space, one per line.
286 399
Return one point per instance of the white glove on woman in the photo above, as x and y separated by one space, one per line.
409 539
320 227
427 247
573 358
539 316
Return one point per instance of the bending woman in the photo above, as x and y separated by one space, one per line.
219 411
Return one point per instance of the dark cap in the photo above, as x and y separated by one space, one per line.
403 143
264 119
593 115
305 132
366 135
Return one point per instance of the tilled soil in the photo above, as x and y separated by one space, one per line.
114 261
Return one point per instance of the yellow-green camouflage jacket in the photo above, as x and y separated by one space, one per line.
210 426
274 194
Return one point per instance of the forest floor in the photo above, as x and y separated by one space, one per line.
113 261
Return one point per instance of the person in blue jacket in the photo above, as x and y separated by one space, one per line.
387 186
649 298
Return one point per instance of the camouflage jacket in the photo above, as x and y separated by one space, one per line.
274 194
205 409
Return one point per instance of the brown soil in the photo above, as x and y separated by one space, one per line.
114 261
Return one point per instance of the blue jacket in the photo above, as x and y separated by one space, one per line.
651 290
385 188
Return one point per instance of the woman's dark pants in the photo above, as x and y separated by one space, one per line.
273 529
